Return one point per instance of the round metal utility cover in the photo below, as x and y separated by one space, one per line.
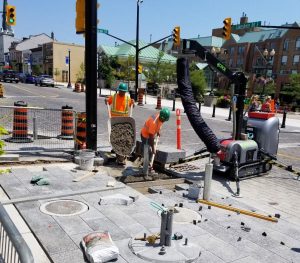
64 207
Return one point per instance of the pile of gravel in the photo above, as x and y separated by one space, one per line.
122 138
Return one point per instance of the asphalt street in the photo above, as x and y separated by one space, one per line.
55 98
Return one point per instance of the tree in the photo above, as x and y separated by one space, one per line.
107 69
80 74
198 82
37 70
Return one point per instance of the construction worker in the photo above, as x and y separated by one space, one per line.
120 105
120 102
152 128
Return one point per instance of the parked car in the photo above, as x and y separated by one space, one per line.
26 78
9 76
44 80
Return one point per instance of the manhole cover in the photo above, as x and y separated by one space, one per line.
64 208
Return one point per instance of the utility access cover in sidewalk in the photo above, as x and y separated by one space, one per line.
64 207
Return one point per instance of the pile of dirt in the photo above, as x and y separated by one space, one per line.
122 138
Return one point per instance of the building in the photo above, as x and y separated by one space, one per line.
5 43
56 61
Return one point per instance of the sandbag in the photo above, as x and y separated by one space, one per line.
99 247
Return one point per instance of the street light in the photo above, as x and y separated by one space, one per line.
138 2
69 83
268 56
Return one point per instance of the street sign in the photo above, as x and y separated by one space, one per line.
67 60
246 25
101 30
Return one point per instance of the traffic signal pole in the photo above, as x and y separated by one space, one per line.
91 73
4 16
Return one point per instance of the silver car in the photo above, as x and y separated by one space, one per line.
44 80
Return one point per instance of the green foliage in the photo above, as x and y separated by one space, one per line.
80 75
294 91
223 101
2 132
159 71
198 83
37 70
107 67
126 69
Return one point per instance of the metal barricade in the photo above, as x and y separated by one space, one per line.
42 127
13 248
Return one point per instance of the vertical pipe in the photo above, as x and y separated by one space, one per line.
207 180
169 228
91 73
137 47
163 227
178 123
69 82
173 109
229 115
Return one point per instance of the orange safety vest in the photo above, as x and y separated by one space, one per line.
151 126
119 105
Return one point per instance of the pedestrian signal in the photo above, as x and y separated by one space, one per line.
176 36
10 15
227 28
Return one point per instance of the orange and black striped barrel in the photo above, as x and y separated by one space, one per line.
81 131
67 122
158 103
77 87
20 124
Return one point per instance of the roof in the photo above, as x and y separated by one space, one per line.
201 65
254 37
33 42
148 54
210 41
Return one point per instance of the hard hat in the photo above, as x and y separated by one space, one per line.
164 114
122 87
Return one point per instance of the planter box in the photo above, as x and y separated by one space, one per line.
210 100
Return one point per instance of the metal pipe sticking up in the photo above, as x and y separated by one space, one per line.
166 227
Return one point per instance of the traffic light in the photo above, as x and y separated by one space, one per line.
140 69
176 36
80 16
10 15
227 28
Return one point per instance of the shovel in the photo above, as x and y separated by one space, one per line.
153 155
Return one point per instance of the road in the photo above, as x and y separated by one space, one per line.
55 98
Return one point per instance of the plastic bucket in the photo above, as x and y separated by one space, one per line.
86 160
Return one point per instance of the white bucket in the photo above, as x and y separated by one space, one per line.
86 160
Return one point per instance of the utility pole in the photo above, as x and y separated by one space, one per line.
4 15
137 49
91 73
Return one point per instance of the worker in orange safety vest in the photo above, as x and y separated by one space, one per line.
120 102
120 105
150 129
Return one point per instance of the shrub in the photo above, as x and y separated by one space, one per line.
223 101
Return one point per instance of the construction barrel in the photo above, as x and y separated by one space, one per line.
1 91
77 87
67 123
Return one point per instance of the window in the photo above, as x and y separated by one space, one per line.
240 61
296 59
283 60
231 51
273 46
294 71
298 43
286 44
241 50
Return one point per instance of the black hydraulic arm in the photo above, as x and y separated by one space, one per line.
237 78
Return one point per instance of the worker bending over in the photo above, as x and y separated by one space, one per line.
120 104
152 128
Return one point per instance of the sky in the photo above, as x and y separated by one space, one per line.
157 17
